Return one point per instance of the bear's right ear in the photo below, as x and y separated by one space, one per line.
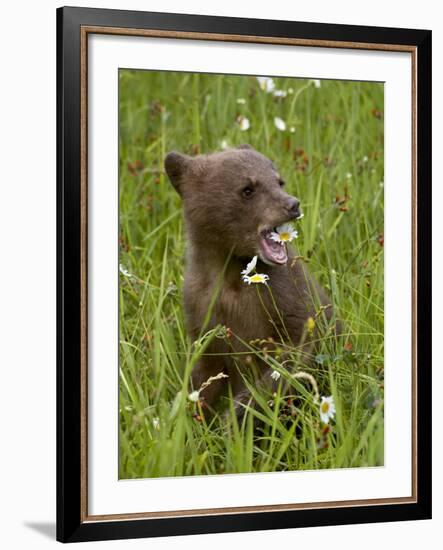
245 146
176 165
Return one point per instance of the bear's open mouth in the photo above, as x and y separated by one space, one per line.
272 252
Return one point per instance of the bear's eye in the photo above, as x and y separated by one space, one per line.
281 183
247 191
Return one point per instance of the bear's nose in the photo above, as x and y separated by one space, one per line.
293 207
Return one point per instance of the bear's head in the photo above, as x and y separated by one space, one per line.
233 200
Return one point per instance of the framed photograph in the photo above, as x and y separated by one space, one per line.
244 274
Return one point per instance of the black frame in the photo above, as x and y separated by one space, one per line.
70 527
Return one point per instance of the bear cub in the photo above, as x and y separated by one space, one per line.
232 201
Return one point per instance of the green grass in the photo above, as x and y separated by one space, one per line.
332 161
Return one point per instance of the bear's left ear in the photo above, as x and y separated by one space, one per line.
245 146
176 164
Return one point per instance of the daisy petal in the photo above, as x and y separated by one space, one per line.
243 123
194 396
266 83
280 124
250 267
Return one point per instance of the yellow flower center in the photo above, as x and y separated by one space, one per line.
310 324
325 407
256 278
285 236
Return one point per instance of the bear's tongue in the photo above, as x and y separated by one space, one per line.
272 251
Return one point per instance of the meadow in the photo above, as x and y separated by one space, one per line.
327 140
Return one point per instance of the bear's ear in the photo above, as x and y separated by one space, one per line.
245 146
176 165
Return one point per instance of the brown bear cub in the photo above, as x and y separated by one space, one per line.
233 200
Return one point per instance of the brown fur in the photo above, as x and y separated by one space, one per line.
223 228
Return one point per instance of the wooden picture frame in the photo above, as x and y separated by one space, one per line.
74 25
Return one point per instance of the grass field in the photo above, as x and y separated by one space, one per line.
328 146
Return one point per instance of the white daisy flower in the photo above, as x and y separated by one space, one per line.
290 90
244 123
284 233
327 409
280 124
241 100
224 144
275 375
194 396
266 83
256 278
280 93
251 266
292 129
365 159
316 82
124 271
348 175
156 423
